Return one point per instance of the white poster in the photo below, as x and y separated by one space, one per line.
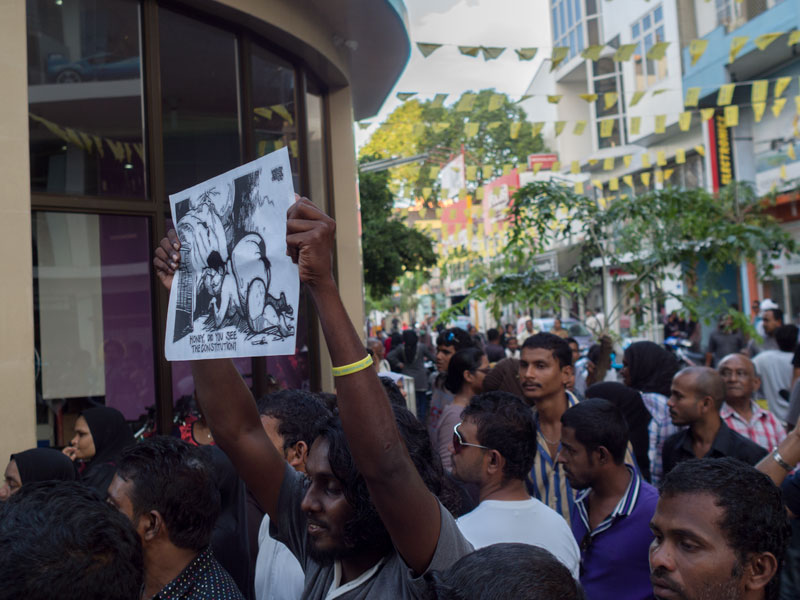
236 292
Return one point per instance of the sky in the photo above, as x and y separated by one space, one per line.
509 23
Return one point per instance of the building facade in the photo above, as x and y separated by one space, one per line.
111 106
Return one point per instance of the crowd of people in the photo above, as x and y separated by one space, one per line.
519 472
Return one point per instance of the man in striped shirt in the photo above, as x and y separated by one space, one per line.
740 411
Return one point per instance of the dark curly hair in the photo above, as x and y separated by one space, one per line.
550 341
505 423
468 359
364 529
298 413
754 515
456 337
598 422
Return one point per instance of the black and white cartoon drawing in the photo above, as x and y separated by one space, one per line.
237 291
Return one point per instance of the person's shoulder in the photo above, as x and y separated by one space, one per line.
648 494
747 449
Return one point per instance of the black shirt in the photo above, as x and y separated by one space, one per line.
678 447
202 579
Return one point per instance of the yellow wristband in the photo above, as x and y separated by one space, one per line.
353 368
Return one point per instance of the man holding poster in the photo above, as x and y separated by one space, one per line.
366 525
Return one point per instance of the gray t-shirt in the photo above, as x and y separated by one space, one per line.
391 578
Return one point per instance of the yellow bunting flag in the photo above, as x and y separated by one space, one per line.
403 96
554 98
493 125
707 113
790 151
266 113
507 169
692 96
797 103
536 128
780 85
636 124
659 176
556 166
766 39
575 167
758 91
472 172
592 52
293 148
646 179
537 166
557 57
731 116
579 187
426 192
783 171
466 103
283 112
645 161
433 172
440 127
685 120
592 161
606 127
700 150
471 129
696 49
610 99
559 127
427 49
661 158
588 97
462 193
479 193
579 127
637 96
794 38
725 94
778 105
495 102
418 129
758 110
737 44
661 123
514 130
658 51
628 179
668 173
487 171
438 100
613 184
364 125
525 53
624 52
680 156
491 53
469 50
608 164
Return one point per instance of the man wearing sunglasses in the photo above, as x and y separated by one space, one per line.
494 447
612 511
448 343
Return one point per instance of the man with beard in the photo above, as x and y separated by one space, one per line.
720 532
612 511
364 524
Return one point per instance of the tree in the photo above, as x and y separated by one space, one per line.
643 238
417 127
390 248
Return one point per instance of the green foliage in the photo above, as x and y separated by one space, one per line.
416 127
390 248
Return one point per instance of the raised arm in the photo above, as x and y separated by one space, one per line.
407 508
229 407
789 453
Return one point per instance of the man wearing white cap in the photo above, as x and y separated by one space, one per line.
771 319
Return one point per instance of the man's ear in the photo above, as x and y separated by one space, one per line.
603 455
496 462
567 375
759 570
151 526
297 455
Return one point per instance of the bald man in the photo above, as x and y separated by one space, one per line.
740 411
695 401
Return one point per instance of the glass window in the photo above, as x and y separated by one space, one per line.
579 34
602 86
577 10
563 20
85 98
275 118
604 66
646 33
646 24
200 101
92 308
572 43
593 32
570 18
660 34
556 33
635 30
591 7
658 14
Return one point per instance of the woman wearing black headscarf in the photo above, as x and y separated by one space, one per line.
638 418
409 359
37 464
649 369
101 434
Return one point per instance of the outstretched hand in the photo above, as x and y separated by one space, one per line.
167 258
309 242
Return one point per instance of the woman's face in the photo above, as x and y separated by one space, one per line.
83 442
11 481
475 378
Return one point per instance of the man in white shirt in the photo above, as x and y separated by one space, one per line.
775 369
495 446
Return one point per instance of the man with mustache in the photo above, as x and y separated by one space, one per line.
696 398
720 532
